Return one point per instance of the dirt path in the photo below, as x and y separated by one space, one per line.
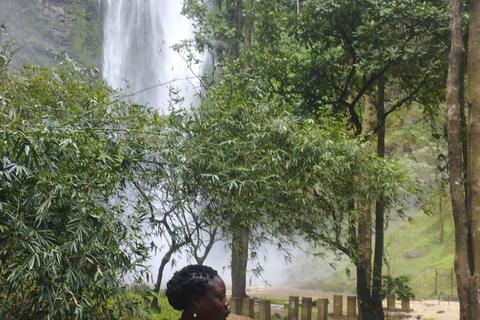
422 309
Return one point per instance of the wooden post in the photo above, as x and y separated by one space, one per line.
406 304
306 308
264 309
351 307
248 308
322 309
338 306
293 308
236 305
390 302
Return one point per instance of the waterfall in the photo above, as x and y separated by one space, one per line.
137 57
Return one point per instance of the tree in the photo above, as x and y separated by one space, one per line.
329 59
368 54
171 213
273 173
473 156
69 148
463 165
223 30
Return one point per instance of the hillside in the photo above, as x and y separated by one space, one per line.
414 249
46 28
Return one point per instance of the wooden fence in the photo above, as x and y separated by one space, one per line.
247 307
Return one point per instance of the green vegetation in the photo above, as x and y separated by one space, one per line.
144 296
45 29
86 32
70 148
317 62
279 151
414 250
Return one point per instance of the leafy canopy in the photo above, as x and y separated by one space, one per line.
69 148
272 172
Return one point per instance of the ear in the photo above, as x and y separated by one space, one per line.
196 299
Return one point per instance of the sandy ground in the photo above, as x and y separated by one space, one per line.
421 309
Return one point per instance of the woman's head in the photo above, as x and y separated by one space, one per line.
199 292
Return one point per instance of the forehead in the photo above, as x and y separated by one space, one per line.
216 285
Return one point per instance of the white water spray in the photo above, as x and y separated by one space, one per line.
138 58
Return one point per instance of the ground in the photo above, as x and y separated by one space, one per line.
421 309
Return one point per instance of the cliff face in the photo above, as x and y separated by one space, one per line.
45 28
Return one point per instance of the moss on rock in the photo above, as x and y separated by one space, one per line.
46 27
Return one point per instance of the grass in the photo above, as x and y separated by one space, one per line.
413 249
166 313
279 301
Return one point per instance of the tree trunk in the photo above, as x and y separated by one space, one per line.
365 302
473 151
365 219
239 31
379 207
440 214
248 25
239 263
368 116
369 309
166 258
369 284
455 160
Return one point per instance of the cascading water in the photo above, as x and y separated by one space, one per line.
138 59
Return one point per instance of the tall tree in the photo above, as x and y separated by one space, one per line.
367 60
224 29
464 188
473 156
274 173
459 190
325 60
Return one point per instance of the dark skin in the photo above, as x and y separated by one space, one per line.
210 305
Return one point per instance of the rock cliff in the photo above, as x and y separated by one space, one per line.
45 28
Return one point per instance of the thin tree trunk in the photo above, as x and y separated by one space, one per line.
211 240
455 159
473 150
239 262
166 258
248 25
239 31
365 220
379 208
442 223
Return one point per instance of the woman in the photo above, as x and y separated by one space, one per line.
199 292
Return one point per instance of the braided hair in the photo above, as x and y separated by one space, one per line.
186 282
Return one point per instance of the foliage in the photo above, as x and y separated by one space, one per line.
275 173
419 234
166 313
8 48
397 287
68 153
326 60
85 31
404 42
